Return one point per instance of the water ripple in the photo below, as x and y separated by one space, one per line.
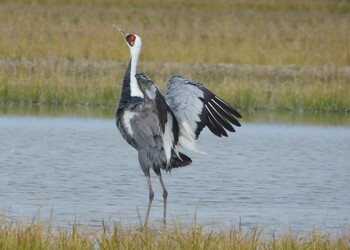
80 168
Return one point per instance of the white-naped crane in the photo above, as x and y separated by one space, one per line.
156 125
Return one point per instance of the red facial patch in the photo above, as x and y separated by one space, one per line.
130 39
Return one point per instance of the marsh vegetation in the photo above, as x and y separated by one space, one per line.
43 235
277 55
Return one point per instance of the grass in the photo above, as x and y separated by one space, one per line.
83 82
67 53
41 234
256 32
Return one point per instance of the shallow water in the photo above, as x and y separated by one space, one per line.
272 174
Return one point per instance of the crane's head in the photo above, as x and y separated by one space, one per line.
132 40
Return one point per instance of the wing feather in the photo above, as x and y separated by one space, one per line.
227 111
229 117
219 130
195 107
218 116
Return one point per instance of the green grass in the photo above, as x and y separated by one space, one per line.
67 53
40 234
83 82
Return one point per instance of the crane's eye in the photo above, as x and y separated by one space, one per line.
130 39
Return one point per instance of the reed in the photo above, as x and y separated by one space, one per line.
41 234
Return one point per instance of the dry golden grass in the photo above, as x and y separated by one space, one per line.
61 52
259 32
43 235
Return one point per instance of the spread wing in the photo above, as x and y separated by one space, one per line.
196 107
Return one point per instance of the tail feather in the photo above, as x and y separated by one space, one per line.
180 160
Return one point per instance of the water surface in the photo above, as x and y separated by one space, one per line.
278 175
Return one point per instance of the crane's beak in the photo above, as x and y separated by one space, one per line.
120 30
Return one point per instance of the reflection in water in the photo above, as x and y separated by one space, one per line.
271 174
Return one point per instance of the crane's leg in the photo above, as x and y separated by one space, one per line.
151 196
165 197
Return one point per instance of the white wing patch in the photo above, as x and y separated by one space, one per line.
187 137
168 138
184 100
128 115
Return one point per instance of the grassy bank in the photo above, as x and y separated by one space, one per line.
66 52
42 235
84 82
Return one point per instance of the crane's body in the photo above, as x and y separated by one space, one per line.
156 125
149 125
